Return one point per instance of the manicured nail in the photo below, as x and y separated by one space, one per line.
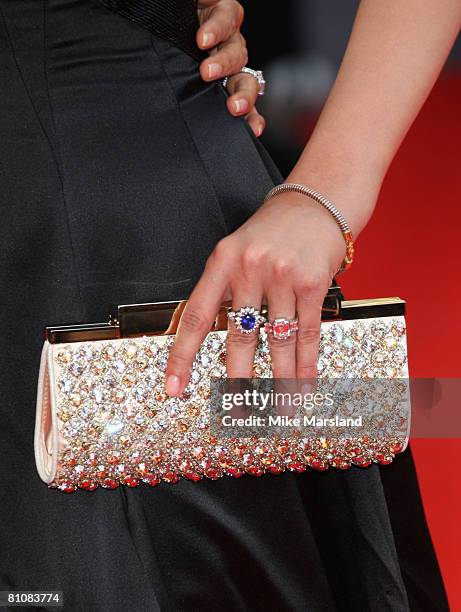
208 39
214 70
241 106
306 389
172 384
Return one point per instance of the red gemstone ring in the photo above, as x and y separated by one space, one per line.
281 328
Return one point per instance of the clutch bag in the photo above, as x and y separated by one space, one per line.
103 418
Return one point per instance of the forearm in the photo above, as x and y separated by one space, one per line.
395 53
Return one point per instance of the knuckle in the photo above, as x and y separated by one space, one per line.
308 335
253 258
193 320
222 251
314 282
238 13
227 60
282 269
281 346
239 81
307 370
244 56
236 339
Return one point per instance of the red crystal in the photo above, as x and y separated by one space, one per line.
109 483
319 465
235 472
67 487
192 476
361 461
171 477
276 469
255 471
88 485
101 471
129 481
151 479
341 464
383 459
213 473
281 328
296 466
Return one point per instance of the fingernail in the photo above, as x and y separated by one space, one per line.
306 389
208 39
214 70
258 131
172 384
241 106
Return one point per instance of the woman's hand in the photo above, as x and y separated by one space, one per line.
220 34
287 253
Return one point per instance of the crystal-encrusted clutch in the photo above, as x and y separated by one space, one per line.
104 420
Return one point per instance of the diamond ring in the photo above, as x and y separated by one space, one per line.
257 74
247 319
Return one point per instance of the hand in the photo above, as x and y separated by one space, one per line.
220 34
287 253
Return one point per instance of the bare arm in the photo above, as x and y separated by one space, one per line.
395 53
289 250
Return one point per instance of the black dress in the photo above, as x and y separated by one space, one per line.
120 170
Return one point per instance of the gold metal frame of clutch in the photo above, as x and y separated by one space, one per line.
162 318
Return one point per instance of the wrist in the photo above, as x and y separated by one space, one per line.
353 194
346 173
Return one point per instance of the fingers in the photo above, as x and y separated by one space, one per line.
219 33
309 308
195 323
256 122
219 20
226 60
244 93
240 347
244 90
282 305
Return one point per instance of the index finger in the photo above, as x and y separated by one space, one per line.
195 323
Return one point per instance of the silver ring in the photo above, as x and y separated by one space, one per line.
257 74
247 319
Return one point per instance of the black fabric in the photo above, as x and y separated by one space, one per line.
120 170
174 20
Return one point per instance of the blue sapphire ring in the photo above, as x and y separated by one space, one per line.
247 320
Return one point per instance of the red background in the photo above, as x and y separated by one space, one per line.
411 249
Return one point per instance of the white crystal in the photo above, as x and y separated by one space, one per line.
114 426
98 394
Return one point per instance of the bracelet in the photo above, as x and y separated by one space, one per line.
338 217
